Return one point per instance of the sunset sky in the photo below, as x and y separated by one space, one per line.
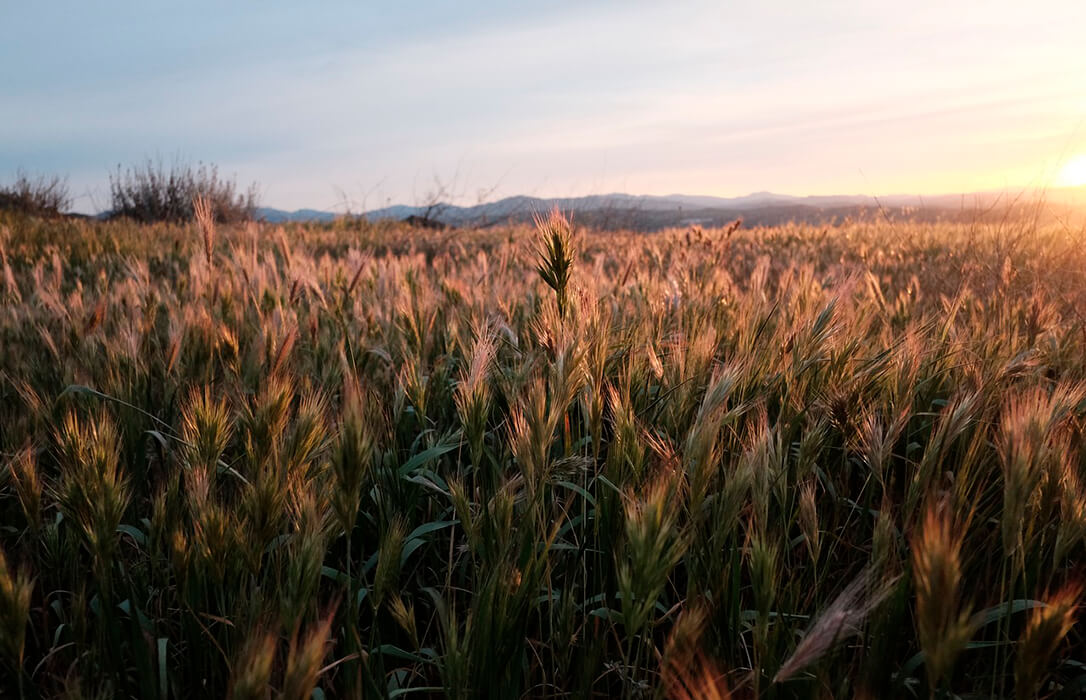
550 99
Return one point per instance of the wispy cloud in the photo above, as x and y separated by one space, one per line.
836 96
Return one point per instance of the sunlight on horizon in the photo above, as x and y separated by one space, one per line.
1073 173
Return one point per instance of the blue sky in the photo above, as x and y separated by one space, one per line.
374 102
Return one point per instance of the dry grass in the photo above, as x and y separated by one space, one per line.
356 460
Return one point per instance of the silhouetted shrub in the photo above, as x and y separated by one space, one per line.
42 195
153 193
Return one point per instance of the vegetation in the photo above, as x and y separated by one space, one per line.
154 193
39 196
347 460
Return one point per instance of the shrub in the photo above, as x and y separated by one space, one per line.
154 193
42 195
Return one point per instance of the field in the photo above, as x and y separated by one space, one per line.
360 460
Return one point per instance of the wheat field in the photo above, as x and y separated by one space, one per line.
359 460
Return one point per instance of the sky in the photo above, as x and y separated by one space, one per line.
332 105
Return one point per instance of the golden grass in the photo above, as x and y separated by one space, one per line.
363 460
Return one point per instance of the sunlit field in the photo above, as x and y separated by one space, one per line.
361 460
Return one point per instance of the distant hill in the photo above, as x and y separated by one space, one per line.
278 216
652 212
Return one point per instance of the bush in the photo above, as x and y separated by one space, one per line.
153 193
42 195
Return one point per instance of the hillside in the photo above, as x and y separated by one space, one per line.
651 212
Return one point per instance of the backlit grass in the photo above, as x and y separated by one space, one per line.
356 460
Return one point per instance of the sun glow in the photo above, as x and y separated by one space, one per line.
1074 173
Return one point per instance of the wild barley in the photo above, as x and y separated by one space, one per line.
252 669
305 441
695 677
654 546
351 457
877 437
404 615
1031 447
414 385
282 346
597 357
304 659
702 445
763 560
215 536
1047 627
808 520
322 380
531 432
1071 529
11 287
956 421
687 672
885 542
206 428
942 620
204 214
93 492
265 421
305 554
555 255
388 561
473 395
23 473
627 451
16 588
844 618
763 458
262 514
266 488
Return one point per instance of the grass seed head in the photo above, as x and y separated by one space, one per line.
253 668
93 492
304 659
844 618
206 427
15 591
203 212
352 454
943 623
23 474
555 255
1045 631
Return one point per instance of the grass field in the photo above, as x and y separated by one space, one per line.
366 461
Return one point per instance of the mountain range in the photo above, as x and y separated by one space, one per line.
649 212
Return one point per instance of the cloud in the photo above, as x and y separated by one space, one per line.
697 96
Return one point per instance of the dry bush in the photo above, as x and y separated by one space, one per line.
152 192
39 196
